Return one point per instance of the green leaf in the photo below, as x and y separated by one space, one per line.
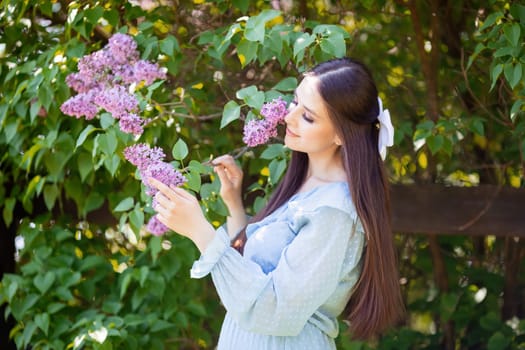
55 307
255 26
273 151
10 130
125 281
33 110
113 17
94 14
287 84
435 142
44 282
160 325
334 45
108 143
155 246
490 322
169 45
503 51
106 121
19 307
84 134
231 112
29 330
276 168
45 96
31 188
246 51
42 321
242 5
125 205
494 74
479 48
491 19
194 180
448 303
144 271
516 75
136 218
7 212
246 92
180 150
111 163
516 108
301 43
50 195
477 127
498 341
85 164
512 33
196 308
93 201
197 167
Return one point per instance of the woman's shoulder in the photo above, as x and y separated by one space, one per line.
333 195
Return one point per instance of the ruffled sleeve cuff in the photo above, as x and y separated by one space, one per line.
211 255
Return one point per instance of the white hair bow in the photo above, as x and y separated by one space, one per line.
386 130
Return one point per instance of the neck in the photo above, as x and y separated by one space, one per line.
326 167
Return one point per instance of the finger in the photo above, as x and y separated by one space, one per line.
221 173
151 181
163 219
181 193
222 159
162 200
165 190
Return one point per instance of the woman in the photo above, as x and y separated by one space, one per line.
324 240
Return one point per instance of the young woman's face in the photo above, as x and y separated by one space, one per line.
308 126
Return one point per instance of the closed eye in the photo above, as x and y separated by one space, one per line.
307 118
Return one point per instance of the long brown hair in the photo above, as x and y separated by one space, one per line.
350 95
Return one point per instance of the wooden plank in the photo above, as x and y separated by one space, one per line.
438 209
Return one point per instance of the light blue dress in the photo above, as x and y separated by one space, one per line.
296 275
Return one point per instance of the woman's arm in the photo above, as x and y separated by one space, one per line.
280 303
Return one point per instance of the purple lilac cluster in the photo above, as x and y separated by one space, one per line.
259 131
149 162
104 79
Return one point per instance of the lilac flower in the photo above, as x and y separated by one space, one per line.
259 131
275 111
95 69
163 172
150 163
117 101
105 76
80 105
123 48
142 155
156 227
147 71
132 124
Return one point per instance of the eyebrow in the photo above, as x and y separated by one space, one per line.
309 110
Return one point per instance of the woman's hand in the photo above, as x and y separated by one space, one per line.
181 212
230 176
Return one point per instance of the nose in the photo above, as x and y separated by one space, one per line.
292 111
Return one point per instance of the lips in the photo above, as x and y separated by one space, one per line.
291 133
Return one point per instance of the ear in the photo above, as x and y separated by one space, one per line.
337 141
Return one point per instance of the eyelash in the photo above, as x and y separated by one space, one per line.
307 119
293 104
